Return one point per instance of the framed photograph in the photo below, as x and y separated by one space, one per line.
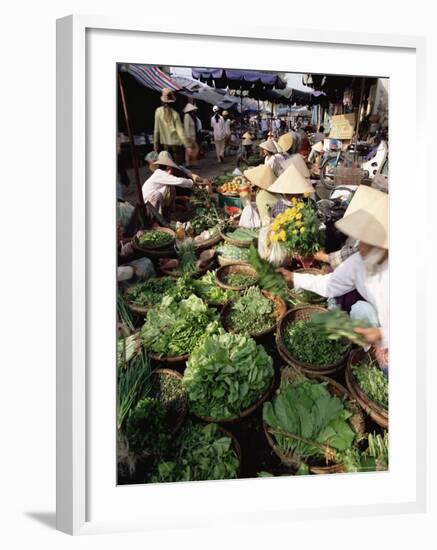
231 276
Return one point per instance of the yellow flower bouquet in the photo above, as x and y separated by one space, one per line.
297 229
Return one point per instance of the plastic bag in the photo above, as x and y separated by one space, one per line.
274 253
250 217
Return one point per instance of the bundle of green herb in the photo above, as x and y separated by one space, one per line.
307 345
239 279
226 373
232 252
251 313
268 278
200 452
243 234
124 316
307 421
174 327
336 325
372 381
150 292
206 288
155 239
146 430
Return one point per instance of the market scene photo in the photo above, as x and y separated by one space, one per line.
252 274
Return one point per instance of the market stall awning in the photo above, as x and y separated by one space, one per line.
151 77
238 79
212 96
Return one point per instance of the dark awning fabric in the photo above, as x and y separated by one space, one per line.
237 79
213 97
151 77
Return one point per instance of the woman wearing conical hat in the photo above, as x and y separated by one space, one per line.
262 177
271 153
366 271
190 128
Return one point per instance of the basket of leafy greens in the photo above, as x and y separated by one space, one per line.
256 313
368 384
174 327
241 236
227 377
236 277
207 288
144 295
229 254
313 421
154 239
302 345
201 452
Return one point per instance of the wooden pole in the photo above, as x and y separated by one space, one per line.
131 142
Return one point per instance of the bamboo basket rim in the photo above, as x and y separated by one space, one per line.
290 359
280 309
209 242
377 412
291 459
245 412
234 268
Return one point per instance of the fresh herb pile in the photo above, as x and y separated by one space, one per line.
206 213
239 279
206 288
268 278
200 452
146 429
243 234
150 292
174 327
372 381
336 324
226 373
155 239
304 419
307 345
232 252
251 313
186 252
170 391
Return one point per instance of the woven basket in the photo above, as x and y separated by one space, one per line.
245 412
357 423
210 242
168 358
180 420
237 242
143 248
280 309
242 268
227 261
309 271
140 310
377 412
297 314
177 274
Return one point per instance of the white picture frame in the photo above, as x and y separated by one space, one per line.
79 37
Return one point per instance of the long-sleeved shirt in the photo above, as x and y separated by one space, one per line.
190 127
219 127
275 163
265 202
158 181
352 274
168 128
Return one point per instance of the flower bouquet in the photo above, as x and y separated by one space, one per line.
297 229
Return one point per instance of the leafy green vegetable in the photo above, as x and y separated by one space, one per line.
133 383
150 292
243 234
251 313
206 288
173 328
206 213
336 324
145 427
372 381
200 452
239 279
155 239
268 278
124 316
186 252
306 420
307 345
225 374
232 252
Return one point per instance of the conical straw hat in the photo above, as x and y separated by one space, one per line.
247 141
318 147
298 161
189 107
369 222
291 181
285 142
363 196
164 159
247 135
262 176
269 146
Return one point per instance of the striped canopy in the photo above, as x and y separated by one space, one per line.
152 77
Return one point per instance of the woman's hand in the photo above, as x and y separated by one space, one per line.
371 335
321 256
288 275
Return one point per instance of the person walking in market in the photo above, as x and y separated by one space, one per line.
228 131
366 271
190 129
168 132
219 129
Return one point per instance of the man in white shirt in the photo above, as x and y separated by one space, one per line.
218 126
366 270
166 174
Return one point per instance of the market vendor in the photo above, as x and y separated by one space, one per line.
271 154
168 132
285 143
262 177
166 175
365 271
290 183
